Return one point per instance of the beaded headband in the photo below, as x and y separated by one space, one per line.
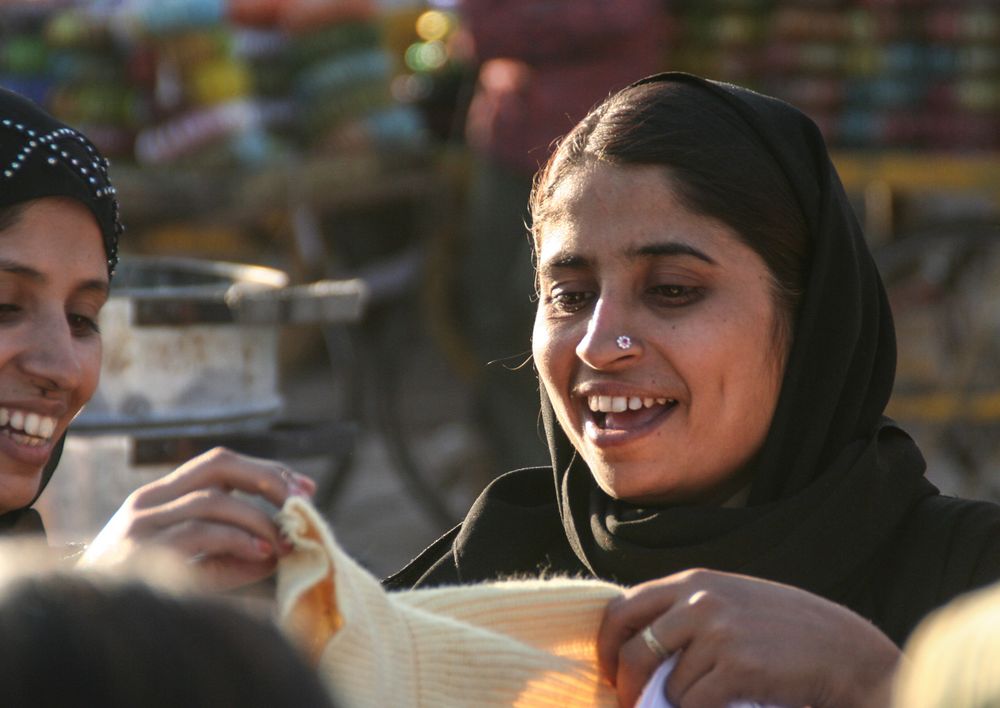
61 161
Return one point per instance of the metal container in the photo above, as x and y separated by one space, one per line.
190 360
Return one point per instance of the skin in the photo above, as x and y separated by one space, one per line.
697 304
53 283
745 638
619 254
230 539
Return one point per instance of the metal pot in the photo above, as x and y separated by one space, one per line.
190 361
192 344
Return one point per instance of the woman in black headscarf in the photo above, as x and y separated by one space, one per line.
59 231
716 350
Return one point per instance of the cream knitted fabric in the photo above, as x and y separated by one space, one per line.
515 643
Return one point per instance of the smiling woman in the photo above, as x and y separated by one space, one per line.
59 231
715 352
53 282
701 318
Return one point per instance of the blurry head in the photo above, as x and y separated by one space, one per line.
59 232
662 217
116 642
952 656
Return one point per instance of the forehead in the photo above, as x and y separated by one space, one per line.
602 211
56 236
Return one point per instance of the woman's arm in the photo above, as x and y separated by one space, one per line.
745 638
194 511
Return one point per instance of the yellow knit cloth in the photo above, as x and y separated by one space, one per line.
515 643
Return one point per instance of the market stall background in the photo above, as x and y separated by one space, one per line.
324 138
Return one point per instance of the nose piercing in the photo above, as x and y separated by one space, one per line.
624 341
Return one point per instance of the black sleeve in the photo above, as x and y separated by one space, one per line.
947 547
434 566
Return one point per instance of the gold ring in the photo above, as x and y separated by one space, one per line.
659 651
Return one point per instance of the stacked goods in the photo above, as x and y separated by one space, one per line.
873 73
60 57
211 82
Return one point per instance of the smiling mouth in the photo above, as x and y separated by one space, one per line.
626 412
25 427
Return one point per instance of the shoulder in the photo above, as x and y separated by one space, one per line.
945 546
513 528
952 523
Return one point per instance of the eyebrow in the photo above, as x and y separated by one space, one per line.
653 250
23 271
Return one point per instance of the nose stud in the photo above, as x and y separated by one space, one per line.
624 342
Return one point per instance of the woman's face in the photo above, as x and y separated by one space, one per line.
676 416
53 282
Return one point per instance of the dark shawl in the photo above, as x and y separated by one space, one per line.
41 157
838 506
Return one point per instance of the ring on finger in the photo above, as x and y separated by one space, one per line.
659 651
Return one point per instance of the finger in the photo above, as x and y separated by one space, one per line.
636 663
227 470
713 689
210 505
693 664
199 538
673 631
627 615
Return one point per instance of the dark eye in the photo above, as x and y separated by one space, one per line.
569 300
82 326
675 295
8 311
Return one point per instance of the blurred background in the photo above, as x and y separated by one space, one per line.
326 261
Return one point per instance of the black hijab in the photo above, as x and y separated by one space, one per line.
41 157
834 479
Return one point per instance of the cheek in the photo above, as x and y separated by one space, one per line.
90 371
554 368
541 347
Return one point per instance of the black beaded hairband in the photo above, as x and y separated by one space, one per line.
94 172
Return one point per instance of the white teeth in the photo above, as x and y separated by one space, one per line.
618 404
47 427
31 423
25 440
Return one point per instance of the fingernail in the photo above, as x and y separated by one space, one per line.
305 481
297 489
263 547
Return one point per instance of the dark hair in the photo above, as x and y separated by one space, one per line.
72 640
718 166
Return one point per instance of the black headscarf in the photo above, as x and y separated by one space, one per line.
834 479
41 157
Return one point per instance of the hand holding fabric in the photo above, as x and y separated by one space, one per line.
211 511
742 638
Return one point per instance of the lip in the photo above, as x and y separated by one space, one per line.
53 409
35 456
605 438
